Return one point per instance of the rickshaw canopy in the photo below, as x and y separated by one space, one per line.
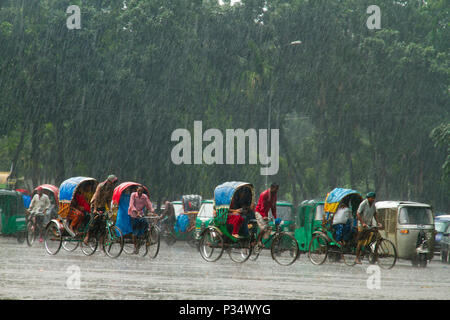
68 187
49 187
335 197
223 194
121 202
191 202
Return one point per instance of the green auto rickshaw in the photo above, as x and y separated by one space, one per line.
12 214
308 219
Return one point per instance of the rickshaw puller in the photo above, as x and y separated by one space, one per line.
138 201
365 214
39 204
267 201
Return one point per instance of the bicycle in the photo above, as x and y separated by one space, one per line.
166 232
35 227
148 242
283 246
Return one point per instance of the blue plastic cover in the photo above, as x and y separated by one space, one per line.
26 200
182 223
338 194
123 221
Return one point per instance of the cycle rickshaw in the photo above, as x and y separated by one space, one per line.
58 235
217 238
149 241
36 226
323 243
185 223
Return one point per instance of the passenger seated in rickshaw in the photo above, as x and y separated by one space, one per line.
79 211
240 212
342 223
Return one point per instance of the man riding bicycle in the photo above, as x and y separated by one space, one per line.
139 201
267 201
38 206
365 215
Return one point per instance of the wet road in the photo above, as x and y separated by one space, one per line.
179 272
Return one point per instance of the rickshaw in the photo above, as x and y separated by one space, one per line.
410 226
58 235
12 214
323 243
33 226
148 242
217 238
185 223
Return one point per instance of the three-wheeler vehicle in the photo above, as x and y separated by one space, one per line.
57 234
204 218
410 226
186 220
323 244
308 219
149 241
12 214
36 225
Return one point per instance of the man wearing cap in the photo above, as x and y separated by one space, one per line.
365 215
100 202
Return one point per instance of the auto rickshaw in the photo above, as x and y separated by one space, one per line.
308 219
57 233
323 244
217 238
204 218
120 204
35 226
12 214
410 226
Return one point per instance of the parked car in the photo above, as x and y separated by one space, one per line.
440 225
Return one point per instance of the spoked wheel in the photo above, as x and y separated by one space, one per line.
128 246
240 251
31 233
284 249
318 249
70 244
113 242
53 238
153 242
91 247
211 245
348 255
386 254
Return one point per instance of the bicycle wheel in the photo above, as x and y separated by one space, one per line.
318 249
348 254
113 242
69 244
153 242
91 247
284 249
53 238
31 233
211 245
128 246
385 253
240 251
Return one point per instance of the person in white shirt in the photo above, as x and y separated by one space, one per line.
38 207
342 222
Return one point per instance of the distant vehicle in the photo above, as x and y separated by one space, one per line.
12 214
204 218
178 207
440 224
445 245
308 219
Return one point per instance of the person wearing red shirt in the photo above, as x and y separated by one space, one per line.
267 201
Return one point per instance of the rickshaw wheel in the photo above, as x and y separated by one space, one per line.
113 242
70 245
240 251
21 235
53 238
91 247
153 242
128 246
318 249
211 245
386 254
284 249
348 255
31 234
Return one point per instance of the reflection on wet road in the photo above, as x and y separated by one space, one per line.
179 272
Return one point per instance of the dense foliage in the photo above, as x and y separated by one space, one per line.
355 107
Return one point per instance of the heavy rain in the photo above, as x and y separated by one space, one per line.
115 111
